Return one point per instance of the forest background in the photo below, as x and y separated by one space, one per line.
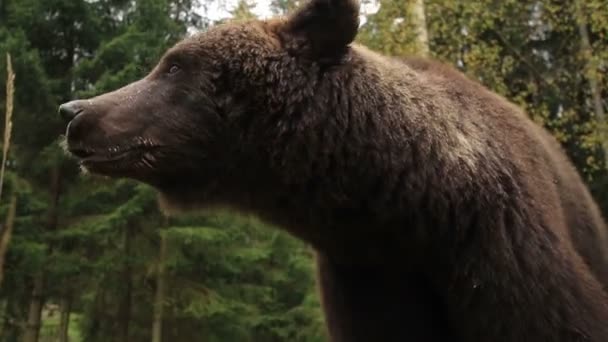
91 259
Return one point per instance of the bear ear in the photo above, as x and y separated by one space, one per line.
322 29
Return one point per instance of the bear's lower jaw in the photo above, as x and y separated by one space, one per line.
137 163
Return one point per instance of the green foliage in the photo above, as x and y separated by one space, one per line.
242 276
243 10
283 7
391 30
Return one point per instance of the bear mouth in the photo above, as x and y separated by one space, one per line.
116 158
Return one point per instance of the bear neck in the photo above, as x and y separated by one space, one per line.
355 146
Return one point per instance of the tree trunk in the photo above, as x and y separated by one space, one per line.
420 22
32 326
124 309
591 73
64 319
6 231
97 319
159 296
13 319
8 122
5 237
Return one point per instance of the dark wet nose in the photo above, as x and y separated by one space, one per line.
68 111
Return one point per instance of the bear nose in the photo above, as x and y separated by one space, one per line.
69 110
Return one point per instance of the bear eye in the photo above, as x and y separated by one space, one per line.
174 69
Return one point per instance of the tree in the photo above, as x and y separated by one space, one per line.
243 10
592 75
160 292
398 28
6 231
10 94
283 7
419 18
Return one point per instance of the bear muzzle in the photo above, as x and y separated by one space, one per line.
102 142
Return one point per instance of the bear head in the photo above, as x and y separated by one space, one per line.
203 119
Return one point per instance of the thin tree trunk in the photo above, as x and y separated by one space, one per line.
591 72
96 317
3 316
8 122
32 327
159 296
124 309
6 231
422 33
6 234
64 319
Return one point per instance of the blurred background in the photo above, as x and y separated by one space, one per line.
90 259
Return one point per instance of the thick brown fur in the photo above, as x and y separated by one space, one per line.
438 210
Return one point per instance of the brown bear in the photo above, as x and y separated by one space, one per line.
438 210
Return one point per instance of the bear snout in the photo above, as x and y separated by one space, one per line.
77 119
85 133
68 111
